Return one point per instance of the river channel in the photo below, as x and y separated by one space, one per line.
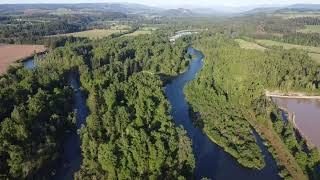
211 161
71 155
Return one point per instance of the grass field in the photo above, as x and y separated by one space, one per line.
139 32
149 28
314 52
315 57
93 34
249 45
311 29
121 27
270 43
9 54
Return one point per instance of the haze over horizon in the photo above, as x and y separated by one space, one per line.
178 3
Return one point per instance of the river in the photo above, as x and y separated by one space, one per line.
211 161
306 116
71 155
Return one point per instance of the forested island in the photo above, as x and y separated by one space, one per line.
123 58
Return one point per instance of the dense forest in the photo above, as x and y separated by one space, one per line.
129 131
309 39
261 26
229 94
34 29
36 111
288 30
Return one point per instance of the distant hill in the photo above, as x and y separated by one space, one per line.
262 10
281 9
132 8
127 8
180 12
304 7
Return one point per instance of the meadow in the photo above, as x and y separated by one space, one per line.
270 43
94 34
249 45
138 32
311 29
314 52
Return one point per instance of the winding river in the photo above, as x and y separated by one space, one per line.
211 161
71 155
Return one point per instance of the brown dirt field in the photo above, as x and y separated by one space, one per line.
10 54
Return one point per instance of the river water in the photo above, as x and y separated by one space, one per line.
71 155
211 161
307 116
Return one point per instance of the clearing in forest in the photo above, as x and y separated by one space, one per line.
249 45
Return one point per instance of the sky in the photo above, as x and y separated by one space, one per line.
177 3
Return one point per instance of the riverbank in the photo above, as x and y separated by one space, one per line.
291 95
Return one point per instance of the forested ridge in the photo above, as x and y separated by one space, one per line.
229 93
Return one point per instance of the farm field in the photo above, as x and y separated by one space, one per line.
269 43
10 54
249 45
93 34
311 29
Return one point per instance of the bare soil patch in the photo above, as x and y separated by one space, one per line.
10 54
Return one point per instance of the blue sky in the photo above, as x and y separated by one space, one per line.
176 3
